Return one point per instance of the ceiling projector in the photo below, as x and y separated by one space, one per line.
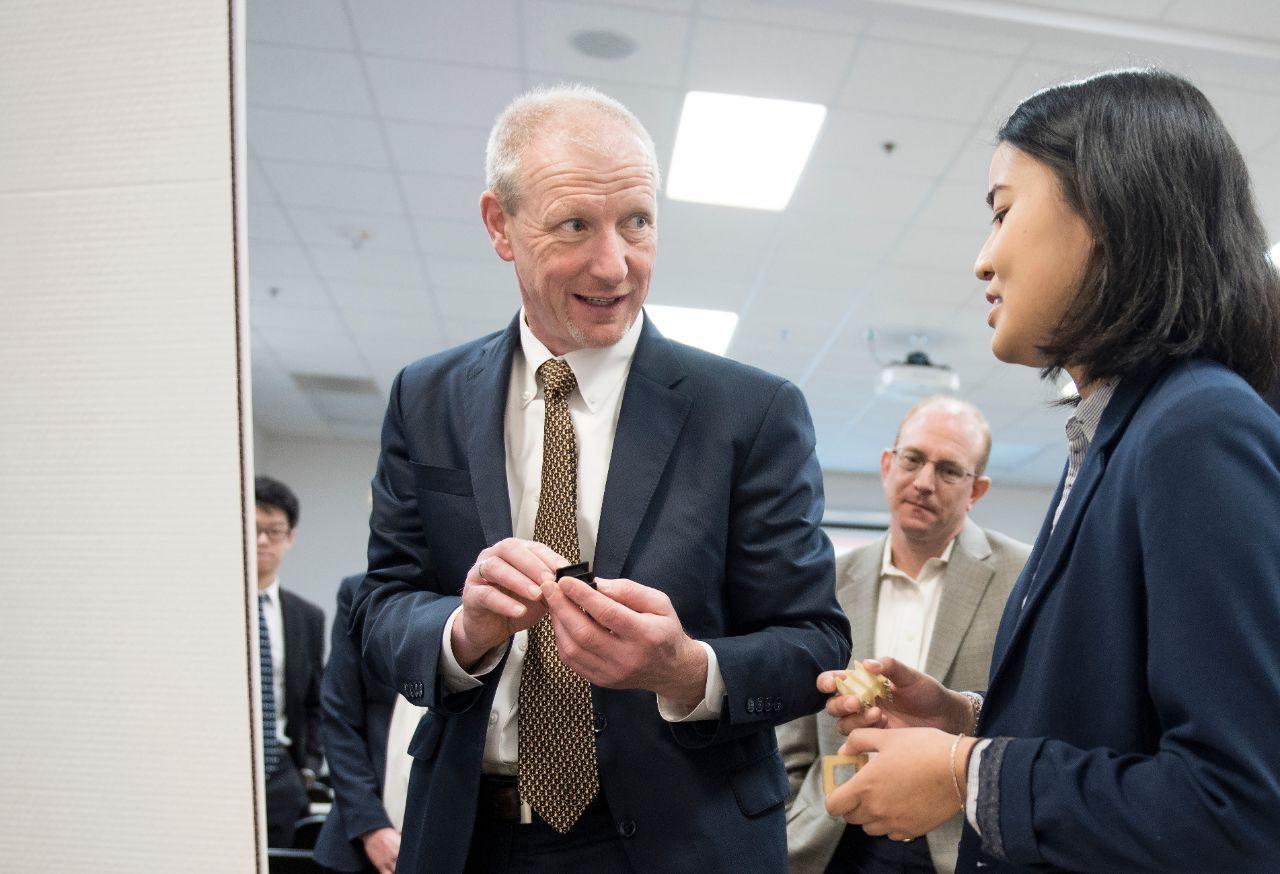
917 377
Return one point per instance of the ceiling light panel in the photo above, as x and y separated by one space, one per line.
706 329
741 151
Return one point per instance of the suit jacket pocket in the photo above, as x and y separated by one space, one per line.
761 785
427 736
441 479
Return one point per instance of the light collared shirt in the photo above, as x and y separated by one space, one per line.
908 607
1081 427
275 629
594 407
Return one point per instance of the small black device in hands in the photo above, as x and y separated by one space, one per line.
580 571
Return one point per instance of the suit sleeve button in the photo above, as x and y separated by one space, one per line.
626 828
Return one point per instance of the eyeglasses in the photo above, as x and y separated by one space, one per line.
275 534
911 461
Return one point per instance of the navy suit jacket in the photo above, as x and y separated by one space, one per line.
1141 679
714 496
356 715
303 624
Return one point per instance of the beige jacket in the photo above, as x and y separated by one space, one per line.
984 566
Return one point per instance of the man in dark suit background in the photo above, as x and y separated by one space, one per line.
358 834
630 726
292 665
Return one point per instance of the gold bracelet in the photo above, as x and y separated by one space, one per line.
955 780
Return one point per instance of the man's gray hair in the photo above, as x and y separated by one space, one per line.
525 118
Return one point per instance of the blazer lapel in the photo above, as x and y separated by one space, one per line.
292 634
485 407
1039 575
963 583
858 589
651 419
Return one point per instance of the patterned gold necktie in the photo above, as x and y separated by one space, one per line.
557 747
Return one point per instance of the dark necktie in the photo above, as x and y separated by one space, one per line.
270 743
557 747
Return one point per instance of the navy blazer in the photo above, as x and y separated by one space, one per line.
1141 678
714 496
303 625
356 716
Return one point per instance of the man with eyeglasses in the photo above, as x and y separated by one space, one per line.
928 594
291 653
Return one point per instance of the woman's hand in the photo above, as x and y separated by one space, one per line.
919 701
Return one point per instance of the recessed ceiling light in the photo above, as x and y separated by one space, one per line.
606 45
707 329
741 151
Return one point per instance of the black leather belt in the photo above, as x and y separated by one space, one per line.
499 798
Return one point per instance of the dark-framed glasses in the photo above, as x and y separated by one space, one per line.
947 471
275 534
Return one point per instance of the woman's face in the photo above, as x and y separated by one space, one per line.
1034 258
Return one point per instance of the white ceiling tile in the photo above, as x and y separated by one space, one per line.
292 290
272 315
971 165
465 239
949 252
384 304
434 148
268 223
957 31
1252 118
1149 10
1257 19
291 135
852 139
660 39
1029 77
441 93
823 18
859 197
317 352
282 259
342 188
491 275
293 78
665 5
368 265
467 33
313 23
785 64
701 290
411 329
922 285
960 206
907 79
455 198
493 305
259 186
824 261
357 230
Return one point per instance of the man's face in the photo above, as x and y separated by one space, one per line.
583 237
275 538
922 506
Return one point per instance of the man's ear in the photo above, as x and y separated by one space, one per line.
980 486
495 222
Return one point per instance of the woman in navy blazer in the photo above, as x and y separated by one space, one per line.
1130 721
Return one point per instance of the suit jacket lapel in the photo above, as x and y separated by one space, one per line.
1042 569
651 418
859 590
485 407
292 635
963 583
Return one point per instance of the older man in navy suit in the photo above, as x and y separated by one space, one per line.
624 723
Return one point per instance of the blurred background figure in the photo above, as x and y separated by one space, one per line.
366 731
291 636
928 594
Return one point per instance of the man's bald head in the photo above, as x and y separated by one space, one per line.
964 411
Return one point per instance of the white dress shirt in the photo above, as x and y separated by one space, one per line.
908 607
593 408
405 717
275 628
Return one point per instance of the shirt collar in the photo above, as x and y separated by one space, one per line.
1089 413
887 567
272 592
598 371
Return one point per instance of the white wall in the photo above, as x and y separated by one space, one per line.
125 668
332 478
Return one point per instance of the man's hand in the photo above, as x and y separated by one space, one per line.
907 789
622 635
382 846
501 596
919 701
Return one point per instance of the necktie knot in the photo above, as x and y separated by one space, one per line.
557 378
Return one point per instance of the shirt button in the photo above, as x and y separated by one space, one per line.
493 718
599 723
527 395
